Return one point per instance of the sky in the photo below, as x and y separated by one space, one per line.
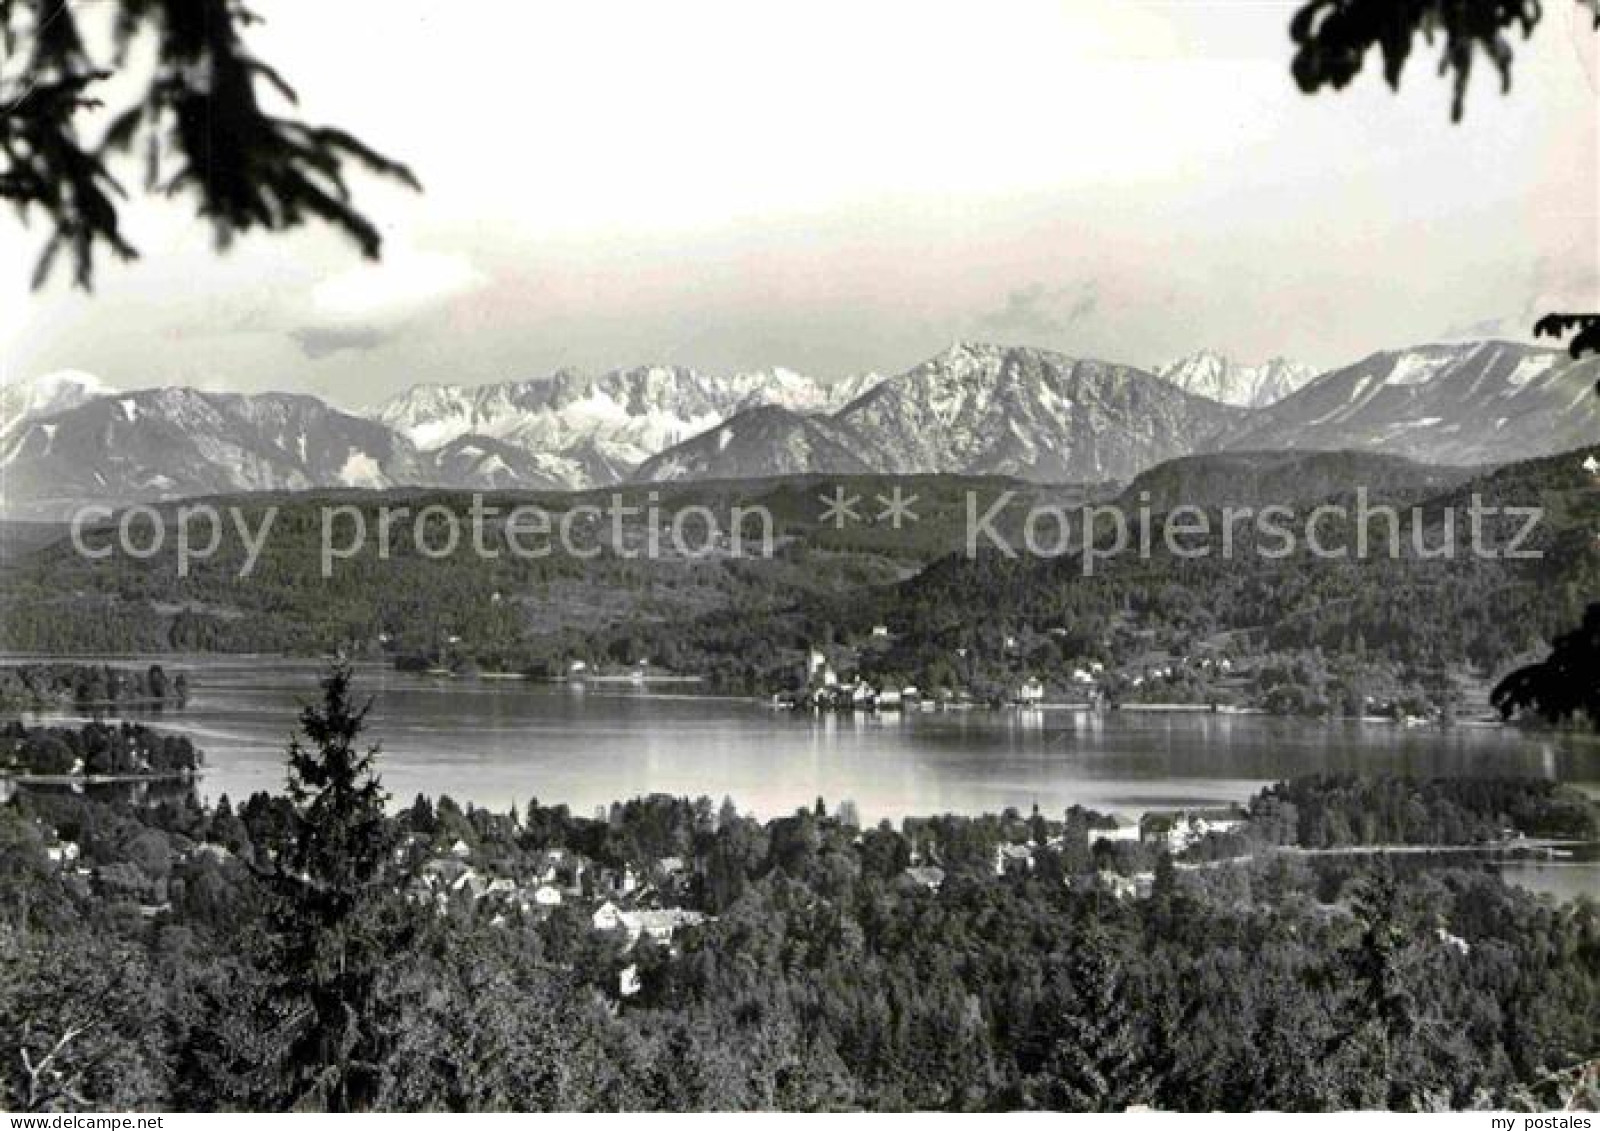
842 187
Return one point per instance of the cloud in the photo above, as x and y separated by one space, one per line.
368 306
404 283
1486 328
1037 311
1562 285
322 341
1552 285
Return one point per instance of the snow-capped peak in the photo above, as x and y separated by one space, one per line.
623 417
1208 373
47 394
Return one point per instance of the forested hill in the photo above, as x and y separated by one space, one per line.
507 610
1482 611
1260 479
951 621
1298 632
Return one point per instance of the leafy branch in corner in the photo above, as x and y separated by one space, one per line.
197 122
1564 684
1332 38
1586 340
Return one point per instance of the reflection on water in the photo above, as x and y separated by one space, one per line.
499 743
502 743
1560 879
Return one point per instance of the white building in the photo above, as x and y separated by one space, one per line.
658 925
1120 828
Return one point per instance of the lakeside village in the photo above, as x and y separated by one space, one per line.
844 679
452 860
864 675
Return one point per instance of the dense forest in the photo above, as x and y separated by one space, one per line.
26 686
95 750
1401 630
149 956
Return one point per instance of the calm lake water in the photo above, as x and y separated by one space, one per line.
499 743
502 743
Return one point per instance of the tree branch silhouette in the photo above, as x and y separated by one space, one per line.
198 123
1332 38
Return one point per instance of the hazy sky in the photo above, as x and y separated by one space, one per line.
837 187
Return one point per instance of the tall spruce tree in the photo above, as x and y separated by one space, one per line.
334 920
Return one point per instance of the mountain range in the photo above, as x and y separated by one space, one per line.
1210 374
974 408
593 429
977 410
1475 403
173 442
43 396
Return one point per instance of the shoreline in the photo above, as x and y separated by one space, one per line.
98 779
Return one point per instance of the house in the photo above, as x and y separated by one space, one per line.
1115 828
658 925
546 895
1031 692
443 871
1204 822
606 917
63 852
1117 887
1012 858
1163 831
405 847
880 631
461 850
624 882
1177 831
928 876
889 699
672 870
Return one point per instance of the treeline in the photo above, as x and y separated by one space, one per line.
95 749
1334 811
825 979
55 684
1330 624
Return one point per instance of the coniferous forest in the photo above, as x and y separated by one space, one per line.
332 948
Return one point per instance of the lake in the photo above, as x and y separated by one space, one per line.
502 743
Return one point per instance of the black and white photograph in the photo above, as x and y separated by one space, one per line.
660 556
